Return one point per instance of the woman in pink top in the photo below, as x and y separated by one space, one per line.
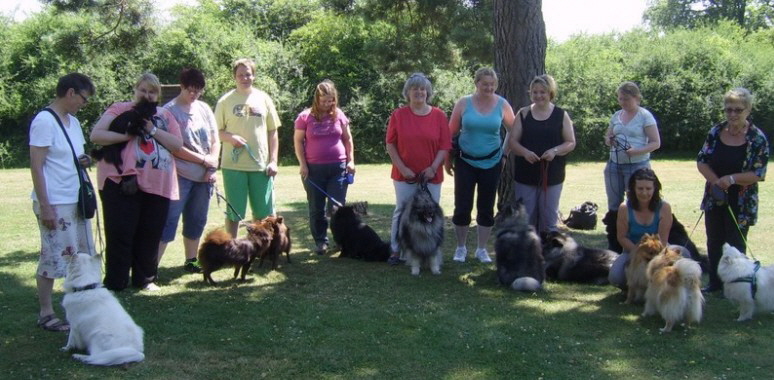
134 220
324 148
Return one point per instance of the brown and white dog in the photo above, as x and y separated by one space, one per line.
636 271
220 250
674 289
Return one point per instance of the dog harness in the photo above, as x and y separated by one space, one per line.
87 287
751 279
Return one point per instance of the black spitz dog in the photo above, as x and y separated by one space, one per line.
677 235
220 250
130 122
420 231
520 263
566 260
356 239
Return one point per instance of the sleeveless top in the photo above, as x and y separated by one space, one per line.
540 136
480 134
637 230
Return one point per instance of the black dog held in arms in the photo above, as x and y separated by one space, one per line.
677 235
583 217
355 238
520 263
131 122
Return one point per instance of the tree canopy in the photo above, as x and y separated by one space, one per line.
749 14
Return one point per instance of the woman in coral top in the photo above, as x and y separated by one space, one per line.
418 141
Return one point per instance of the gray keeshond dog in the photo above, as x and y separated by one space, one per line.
420 231
518 250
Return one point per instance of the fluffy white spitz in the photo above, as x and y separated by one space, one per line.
98 323
740 278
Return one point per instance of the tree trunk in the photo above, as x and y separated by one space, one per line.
520 55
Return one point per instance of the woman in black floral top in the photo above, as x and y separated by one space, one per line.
732 160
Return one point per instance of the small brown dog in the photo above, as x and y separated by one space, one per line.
220 250
636 271
280 240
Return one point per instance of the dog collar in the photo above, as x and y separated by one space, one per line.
87 287
751 279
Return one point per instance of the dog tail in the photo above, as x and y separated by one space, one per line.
115 356
218 236
526 284
689 272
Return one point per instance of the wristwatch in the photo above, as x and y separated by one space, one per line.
153 131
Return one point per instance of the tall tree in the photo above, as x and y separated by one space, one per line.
749 14
520 55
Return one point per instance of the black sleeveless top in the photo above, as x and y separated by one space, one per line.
728 159
540 136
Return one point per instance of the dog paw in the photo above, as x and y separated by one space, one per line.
743 319
64 349
436 272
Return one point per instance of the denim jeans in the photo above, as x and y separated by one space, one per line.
331 179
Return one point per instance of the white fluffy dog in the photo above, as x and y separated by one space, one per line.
745 285
98 323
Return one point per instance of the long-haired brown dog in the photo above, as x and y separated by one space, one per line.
674 289
220 250
280 241
636 271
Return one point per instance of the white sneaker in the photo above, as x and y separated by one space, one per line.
483 256
460 253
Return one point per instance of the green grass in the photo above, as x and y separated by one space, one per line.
324 317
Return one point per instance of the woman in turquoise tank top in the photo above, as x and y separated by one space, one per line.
644 212
478 119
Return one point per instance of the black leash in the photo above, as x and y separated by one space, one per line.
337 203
220 196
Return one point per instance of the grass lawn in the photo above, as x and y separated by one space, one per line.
324 317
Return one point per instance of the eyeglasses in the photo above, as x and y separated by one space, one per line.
193 90
85 99
734 110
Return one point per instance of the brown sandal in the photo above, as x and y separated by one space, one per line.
52 323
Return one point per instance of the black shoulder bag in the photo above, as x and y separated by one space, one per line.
87 198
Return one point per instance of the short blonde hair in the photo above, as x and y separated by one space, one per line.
739 94
631 89
546 81
150 79
484 72
246 62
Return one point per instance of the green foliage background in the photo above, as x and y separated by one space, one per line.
368 48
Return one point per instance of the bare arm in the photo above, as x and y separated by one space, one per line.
299 136
349 148
515 142
440 158
654 141
100 135
622 232
37 159
665 223
392 150
271 168
454 128
568 135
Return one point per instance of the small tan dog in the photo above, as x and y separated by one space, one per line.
674 289
636 271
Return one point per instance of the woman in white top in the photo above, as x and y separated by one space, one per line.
631 136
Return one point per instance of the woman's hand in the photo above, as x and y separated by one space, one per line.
724 182
549 155
448 165
351 167
271 169
237 141
48 216
84 160
210 161
407 173
531 157
429 173
303 170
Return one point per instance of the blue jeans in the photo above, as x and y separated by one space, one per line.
331 178
193 204
617 181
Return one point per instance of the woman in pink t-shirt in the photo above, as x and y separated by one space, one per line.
418 140
324 148
134 220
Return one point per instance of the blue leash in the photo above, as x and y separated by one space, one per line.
337 203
